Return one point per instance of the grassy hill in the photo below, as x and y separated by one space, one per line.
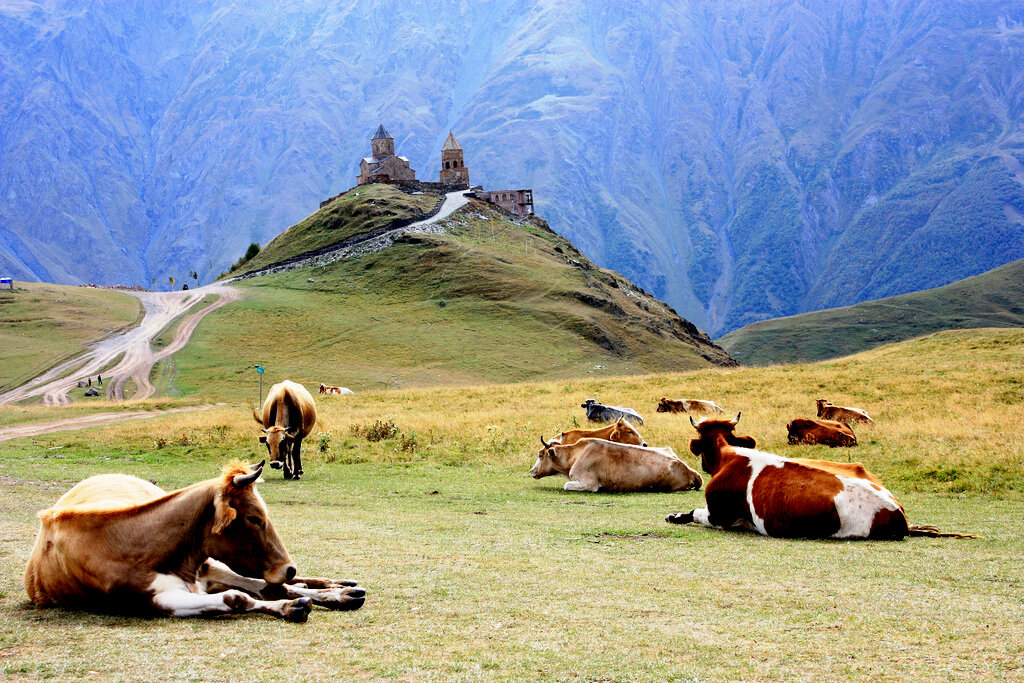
992 299
496 298
360 210
42 324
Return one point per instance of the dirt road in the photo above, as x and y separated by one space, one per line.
82 421
132 350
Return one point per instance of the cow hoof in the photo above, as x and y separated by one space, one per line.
295 477
680 518
276 465
287 474
297 611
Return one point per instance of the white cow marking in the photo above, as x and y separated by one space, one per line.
758 461
857 505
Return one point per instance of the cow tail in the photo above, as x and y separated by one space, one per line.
931 531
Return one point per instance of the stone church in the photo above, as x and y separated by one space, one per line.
384 166
453 168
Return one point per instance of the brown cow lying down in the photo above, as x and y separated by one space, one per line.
602 465
828 411
689 405
118 543
330 389
621 431
788 498
824 432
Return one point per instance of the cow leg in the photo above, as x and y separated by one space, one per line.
589 487
331 593
172 595
680 518
297 457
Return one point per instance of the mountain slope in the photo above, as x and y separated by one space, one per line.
494 298
741 160
993 299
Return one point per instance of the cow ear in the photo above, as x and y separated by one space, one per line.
695 446
263 438
223 514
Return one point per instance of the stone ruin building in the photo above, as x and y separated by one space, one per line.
385 167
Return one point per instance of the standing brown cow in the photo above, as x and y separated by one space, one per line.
288 416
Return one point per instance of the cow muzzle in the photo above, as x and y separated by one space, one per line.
275 464
282 573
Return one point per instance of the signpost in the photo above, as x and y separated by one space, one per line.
259 369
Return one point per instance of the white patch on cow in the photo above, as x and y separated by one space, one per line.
758 461
175 596
857 505
703 517
579 486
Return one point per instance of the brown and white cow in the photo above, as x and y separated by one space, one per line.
621 431
828 411
331 389
118 543
287 417
777 496
824 432
689 405
602 465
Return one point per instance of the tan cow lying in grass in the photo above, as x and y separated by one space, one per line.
331 389
689 405
621 431
118 543
828 411
602 465
287 417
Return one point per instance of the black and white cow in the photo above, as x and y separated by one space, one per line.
598 412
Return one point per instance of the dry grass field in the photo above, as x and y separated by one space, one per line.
476 571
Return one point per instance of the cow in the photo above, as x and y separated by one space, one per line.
689 405
329 389
598 412
119 543
784 498
602 465
287 417
620 431
825 432
828 411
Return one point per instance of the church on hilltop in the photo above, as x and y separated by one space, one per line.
385 167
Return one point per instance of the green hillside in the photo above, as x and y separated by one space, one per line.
992 299
42 324
496 298
362 209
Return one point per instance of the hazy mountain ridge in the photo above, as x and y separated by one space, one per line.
740 160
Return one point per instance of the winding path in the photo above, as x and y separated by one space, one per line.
134 348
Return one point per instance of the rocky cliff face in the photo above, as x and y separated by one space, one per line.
741 159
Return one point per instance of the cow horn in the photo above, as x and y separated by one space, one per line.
242 480
736 419
546 444
693 422
259 465
264 430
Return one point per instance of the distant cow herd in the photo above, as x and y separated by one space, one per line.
211 548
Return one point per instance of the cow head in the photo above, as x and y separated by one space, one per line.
323 388
547 460
706 445
663 406
241 534
279 445
586 404
821 402
624 432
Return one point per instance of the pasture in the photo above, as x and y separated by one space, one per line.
475 571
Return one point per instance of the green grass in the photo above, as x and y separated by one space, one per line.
492 301
42 325
359 210
474 570
993 299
